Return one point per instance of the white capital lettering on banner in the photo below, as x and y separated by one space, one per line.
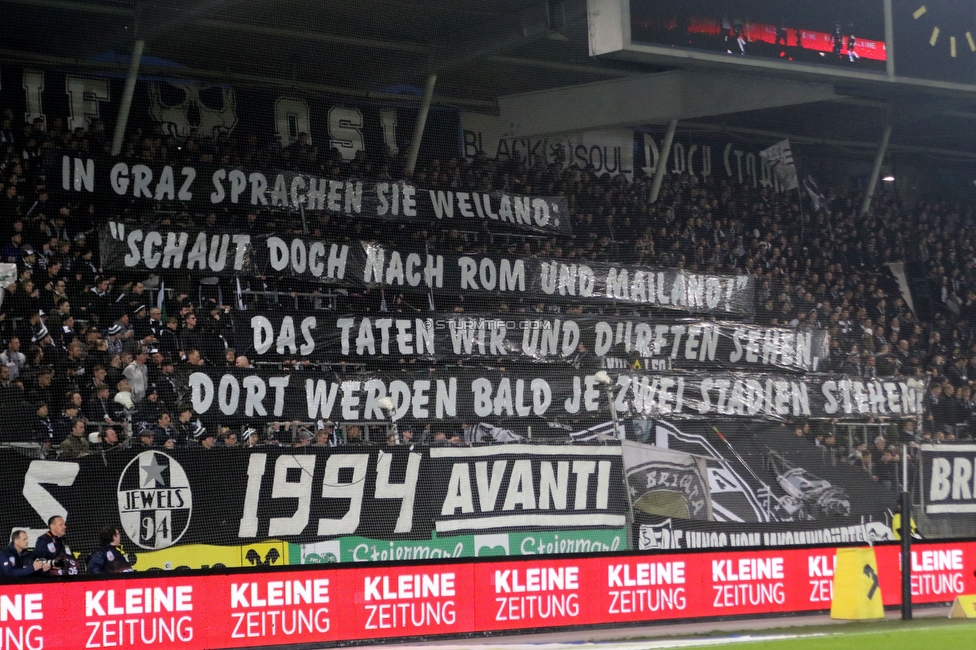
646 587
280 608
939 573
409 600
537 593
748 581
139 616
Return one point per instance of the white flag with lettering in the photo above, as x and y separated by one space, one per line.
780 157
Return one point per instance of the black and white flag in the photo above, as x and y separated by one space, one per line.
780 157
816 196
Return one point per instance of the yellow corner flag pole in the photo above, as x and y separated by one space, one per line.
857 590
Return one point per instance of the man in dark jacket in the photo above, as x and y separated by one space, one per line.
108 558
100 409
51 547
192 337
13 563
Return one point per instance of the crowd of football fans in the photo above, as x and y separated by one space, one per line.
87 351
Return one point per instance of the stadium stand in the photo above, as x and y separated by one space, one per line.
834 280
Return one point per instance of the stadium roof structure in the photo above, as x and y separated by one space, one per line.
481 51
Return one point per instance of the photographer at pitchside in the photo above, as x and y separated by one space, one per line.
108 558
14 563
50 548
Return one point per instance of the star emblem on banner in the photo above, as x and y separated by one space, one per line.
153 472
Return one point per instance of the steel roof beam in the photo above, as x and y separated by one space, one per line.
221 76
645 99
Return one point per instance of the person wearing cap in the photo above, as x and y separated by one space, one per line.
251 437
169 390
113 337
155 361
304 437
28 258
128 333
140 325
43 428
146 437
75 445
65 422
208 439
149 409
42 337
138 375
154 366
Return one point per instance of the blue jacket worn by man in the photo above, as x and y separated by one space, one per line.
50 546
108 559
13 565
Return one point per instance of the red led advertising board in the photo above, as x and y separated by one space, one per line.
281 607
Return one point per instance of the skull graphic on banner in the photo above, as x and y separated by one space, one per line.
182 108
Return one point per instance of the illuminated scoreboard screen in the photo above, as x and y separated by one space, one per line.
933 42
829 32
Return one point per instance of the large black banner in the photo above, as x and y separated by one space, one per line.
764 474
550 394
207 187
184 108
948 485
368 264
653 533
581 341
235 496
